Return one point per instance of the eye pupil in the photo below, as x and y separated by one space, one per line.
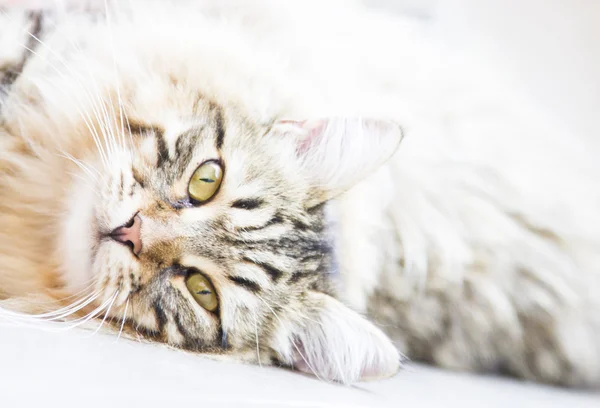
202 291
205 181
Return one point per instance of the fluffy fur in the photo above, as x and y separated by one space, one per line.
475 247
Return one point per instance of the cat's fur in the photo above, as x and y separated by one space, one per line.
475 247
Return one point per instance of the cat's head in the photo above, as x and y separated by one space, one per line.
213 237
197 225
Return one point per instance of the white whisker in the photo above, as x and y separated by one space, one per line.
79 164
86 117
57 314
123 322
112 48
114 297
256 337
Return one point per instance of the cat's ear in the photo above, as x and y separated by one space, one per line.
336 153
337 344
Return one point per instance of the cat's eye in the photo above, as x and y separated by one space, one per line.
202 291
206 181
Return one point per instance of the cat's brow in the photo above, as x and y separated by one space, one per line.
247 203
274 273
162 151
245 283
163 155
139 128
277 219
184 146
219 123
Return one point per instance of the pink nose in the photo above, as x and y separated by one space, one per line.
129 234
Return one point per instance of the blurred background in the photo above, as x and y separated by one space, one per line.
548 49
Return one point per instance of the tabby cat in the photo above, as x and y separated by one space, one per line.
229 178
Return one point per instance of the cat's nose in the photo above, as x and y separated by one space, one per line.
129 234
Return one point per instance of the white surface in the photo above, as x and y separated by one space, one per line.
76 369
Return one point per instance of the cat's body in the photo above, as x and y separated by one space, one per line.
475 247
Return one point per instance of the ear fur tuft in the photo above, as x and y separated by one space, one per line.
337 153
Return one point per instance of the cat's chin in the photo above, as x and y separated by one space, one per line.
78 237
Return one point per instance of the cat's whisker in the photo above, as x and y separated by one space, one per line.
49 317
99 141
75 306
95 173
105 118
105 129
86 117
101 116
60 59
76 295
91 315
66 310
106 313
78 176
79 164
131 142
293 344
123 321
106 121
69 310
88 166
256 337
96 104
112 48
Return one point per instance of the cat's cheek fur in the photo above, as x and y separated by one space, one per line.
337 344
77 237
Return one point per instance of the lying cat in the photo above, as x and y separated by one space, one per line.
223 177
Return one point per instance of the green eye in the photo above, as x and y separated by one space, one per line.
206 181
202 291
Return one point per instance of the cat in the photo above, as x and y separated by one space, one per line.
252 179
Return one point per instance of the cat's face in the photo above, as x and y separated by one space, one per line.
212 236
196 225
